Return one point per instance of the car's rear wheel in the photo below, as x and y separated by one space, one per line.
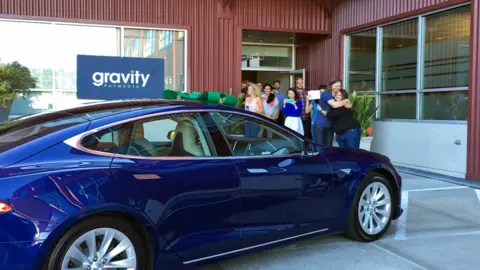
372 210
96 244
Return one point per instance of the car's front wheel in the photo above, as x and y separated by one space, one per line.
372 210
98 243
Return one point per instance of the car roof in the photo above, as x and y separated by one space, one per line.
95 110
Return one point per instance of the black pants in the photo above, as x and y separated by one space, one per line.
281 119
307 128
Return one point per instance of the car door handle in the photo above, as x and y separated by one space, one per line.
257 171
269 170
147 176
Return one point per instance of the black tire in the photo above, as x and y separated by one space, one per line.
55 257
354 230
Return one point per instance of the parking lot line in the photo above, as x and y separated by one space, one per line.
402 220
441 234
478 193
434 189
398 256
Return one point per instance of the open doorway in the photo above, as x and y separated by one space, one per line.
270 56
286 78
267 77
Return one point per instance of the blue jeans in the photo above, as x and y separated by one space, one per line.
322 135
350 139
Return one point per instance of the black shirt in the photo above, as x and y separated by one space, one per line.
343 120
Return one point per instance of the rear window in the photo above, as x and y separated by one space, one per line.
22 130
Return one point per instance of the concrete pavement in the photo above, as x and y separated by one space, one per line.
440 229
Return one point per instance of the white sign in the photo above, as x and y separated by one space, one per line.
314 94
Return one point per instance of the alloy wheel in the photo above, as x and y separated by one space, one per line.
375 208
100 249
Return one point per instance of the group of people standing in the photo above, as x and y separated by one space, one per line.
317 119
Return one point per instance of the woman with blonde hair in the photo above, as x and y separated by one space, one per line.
253 103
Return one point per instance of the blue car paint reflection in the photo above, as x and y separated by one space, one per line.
195 208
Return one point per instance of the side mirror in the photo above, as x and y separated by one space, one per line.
307 148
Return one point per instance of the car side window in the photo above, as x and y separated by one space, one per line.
109 140
176 135
248 136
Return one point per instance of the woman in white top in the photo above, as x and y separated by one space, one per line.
253 103
270 103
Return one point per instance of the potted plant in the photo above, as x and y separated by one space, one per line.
365 114
15 80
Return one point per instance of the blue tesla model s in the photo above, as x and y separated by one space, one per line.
156 184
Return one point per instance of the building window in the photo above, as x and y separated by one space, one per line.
446 60
362 61
53 60
160 44
399 71
420 66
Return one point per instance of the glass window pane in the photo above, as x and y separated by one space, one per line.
71 40
166 44
34 103
16 132
445 105
175 136
249 137
254 56
399 58
447 48
65 100
110 140
362 62
398 106
28 44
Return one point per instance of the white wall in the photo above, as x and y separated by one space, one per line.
424 146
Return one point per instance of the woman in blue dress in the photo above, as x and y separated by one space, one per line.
292 109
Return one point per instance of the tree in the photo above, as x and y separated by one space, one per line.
15 80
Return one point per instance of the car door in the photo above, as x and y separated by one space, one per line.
171 170
283 189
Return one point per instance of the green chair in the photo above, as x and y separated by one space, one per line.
228 100
210 97
194 95
170 94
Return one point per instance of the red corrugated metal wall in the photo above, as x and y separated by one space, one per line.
214 36
323 59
